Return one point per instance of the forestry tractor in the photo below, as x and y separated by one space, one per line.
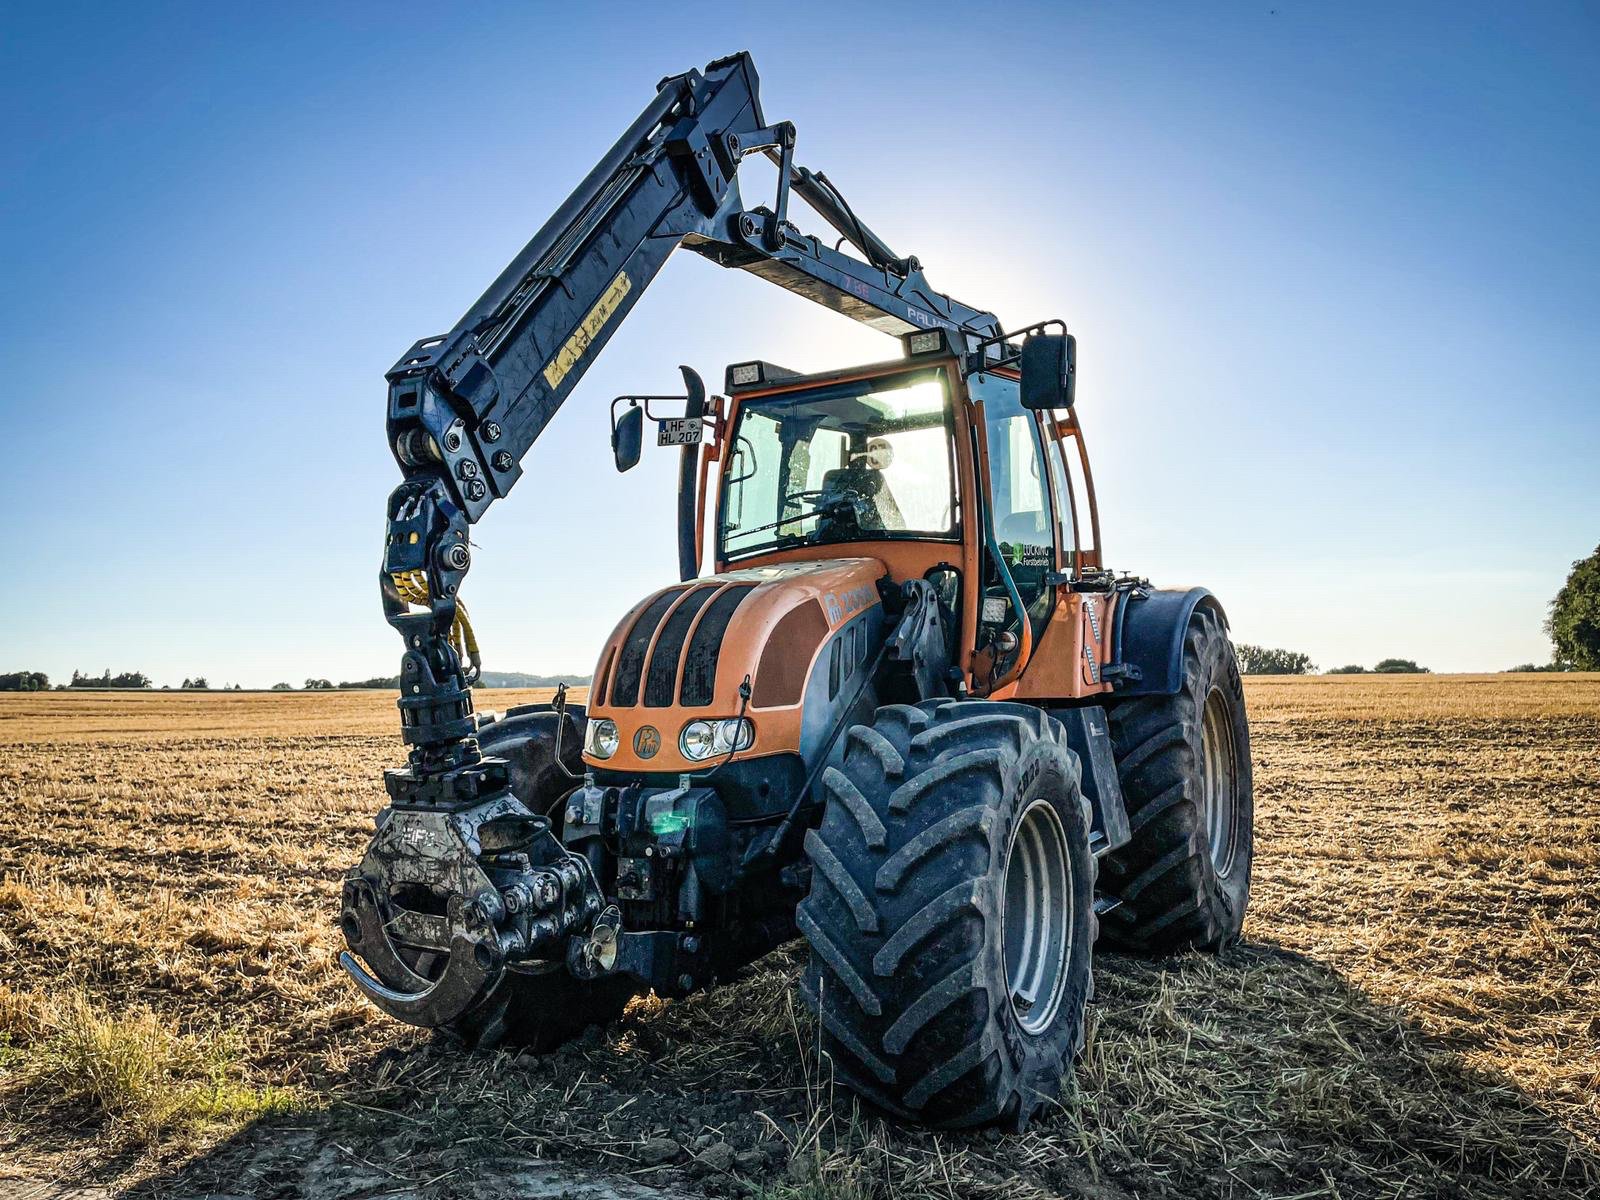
908 716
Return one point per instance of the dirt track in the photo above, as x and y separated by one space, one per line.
1416 1010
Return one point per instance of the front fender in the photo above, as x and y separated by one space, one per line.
1153 625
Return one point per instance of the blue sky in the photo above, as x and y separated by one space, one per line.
1333 271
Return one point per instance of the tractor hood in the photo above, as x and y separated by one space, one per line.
683 654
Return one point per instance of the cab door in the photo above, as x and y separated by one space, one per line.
1020 556
1067 661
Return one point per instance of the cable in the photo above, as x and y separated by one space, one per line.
733 748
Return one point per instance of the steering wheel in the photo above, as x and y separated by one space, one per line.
842 498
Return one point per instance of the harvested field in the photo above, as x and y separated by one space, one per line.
1415 1011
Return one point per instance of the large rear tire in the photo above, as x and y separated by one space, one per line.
1184 765
951 912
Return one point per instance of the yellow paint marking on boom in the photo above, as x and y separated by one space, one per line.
604 309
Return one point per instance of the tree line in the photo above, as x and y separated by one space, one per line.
1573 628
38 681
1269 660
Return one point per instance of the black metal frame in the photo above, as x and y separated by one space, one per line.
978 356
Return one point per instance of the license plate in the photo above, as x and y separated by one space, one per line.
678 431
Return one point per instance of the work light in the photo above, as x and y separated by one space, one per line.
600 738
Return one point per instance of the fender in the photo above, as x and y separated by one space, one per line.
1151 626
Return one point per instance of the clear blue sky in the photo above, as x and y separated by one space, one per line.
1334 270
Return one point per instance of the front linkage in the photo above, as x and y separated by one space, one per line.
461 880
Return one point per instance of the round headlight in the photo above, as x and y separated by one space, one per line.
600 738
734 734
698 740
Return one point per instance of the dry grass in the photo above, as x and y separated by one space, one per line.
1416 1011
147 1079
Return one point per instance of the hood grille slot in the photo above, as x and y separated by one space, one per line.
630 662
700 661
669 647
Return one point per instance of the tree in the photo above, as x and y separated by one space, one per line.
1263 660
283 687
198 683
1400 666
1574 624
1352 669
25 681
318 685
128 679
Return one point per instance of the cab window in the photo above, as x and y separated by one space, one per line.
1060 480
859 461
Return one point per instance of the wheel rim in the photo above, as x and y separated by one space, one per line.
1038 917
1220 781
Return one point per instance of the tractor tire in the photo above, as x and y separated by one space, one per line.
1184 765
951 912
538 1011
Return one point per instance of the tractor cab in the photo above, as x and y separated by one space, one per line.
932 466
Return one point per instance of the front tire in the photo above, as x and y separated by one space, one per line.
951 912
1184 765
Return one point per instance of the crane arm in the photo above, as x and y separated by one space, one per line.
464 407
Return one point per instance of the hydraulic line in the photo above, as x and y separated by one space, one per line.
413 589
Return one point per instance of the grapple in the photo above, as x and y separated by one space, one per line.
448 897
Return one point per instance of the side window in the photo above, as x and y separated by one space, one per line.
1060 478
751 494
1019 498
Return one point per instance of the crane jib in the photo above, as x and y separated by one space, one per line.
605 308
464 408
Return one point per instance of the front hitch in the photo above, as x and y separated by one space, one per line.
446 899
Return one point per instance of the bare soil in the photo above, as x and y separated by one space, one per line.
1415 1010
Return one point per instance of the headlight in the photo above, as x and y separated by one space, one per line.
697 741
701 740
734 734
600 738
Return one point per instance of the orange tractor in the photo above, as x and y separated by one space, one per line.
908 715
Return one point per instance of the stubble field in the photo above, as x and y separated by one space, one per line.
1415 1010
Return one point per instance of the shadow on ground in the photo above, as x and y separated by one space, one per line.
1261 1074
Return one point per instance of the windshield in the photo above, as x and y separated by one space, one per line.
849 462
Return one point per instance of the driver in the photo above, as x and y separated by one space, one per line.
864 478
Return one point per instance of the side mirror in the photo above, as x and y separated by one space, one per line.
627 431
1049 370
627 438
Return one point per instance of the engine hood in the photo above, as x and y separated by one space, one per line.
684 652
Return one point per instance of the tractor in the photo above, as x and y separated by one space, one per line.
907 715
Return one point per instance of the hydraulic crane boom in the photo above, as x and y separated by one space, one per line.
465 407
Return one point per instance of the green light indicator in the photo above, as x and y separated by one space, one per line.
668 822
